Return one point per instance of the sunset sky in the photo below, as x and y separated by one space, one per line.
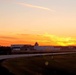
48 22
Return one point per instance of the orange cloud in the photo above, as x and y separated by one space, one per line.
7 37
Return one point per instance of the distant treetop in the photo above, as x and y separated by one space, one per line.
36 44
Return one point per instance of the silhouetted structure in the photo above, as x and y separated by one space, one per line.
5 50
45 48
18 47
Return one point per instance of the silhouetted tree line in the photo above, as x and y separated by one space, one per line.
5 50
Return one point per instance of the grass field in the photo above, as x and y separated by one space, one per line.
43 65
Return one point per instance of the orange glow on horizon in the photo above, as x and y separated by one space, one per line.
45 39
62 41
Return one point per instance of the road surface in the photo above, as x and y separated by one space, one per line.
31 55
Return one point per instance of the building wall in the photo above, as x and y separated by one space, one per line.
21 47
45 48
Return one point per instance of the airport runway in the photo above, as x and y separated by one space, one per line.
31 55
